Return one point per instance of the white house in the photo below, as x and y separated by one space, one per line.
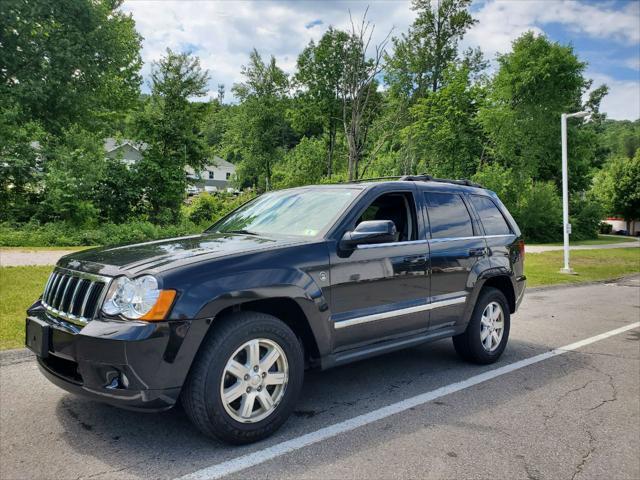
215 176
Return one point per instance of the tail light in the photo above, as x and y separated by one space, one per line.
521 248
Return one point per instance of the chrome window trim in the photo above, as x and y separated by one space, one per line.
395 313
435 240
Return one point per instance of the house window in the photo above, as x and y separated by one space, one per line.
210 175
228 175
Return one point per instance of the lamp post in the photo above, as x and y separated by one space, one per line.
566 226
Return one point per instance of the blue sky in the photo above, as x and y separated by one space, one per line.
606 34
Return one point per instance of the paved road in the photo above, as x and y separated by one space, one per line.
15 258
555 248
573 416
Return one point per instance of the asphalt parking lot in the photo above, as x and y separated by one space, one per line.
574 415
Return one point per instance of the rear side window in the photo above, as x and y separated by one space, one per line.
448 215
491 217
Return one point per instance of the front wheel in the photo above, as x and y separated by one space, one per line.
487 334
245 381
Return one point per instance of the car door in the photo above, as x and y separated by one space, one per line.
380 291
456 248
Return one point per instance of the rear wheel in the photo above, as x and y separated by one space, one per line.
246 379
487 334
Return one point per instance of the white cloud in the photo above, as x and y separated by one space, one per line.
501 22
623 100
222 34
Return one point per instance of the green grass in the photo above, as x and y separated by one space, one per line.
20 286
543 268
601 240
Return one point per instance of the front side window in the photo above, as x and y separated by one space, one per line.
492 220
397 207
304 213
448 215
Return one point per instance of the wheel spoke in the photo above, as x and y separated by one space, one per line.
237 369
269 359
246 407
487 342
254 353
496 339
265 400
275 379
484 333
499 325
485 321
233 392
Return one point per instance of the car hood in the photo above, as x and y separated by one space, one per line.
165 254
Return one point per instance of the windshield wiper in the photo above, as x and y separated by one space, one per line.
245 232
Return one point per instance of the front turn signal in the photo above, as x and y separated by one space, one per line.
161 308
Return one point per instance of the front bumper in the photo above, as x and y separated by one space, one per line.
130 364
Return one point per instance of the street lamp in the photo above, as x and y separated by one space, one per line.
566 226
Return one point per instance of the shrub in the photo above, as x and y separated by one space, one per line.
539 213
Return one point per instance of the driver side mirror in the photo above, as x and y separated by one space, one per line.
370 232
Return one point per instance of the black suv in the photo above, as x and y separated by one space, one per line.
311 277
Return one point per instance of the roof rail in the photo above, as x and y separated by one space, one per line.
423 177
373 179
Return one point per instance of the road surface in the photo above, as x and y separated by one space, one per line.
573 414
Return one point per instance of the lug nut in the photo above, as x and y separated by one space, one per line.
259 389
246 377
255 369
248 389
264 374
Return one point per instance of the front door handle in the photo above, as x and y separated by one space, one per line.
477 252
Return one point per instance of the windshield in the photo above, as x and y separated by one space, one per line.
289 212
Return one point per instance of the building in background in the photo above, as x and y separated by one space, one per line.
215 176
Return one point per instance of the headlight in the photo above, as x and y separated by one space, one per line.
138 298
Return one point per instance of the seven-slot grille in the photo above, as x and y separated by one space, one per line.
74 296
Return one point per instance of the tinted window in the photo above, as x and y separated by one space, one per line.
492 220
448 216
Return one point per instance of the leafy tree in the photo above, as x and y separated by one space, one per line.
20 165
302 165
119 192
321 69
72 173
535 83
421 56
444 132
259 131
69 61
172 127
617 187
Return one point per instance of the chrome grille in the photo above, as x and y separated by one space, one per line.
74 296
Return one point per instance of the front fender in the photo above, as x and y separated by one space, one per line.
207 298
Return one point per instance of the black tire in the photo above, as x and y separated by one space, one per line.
201 396
468 344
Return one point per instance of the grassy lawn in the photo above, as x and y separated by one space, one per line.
601 240
542 268
20 286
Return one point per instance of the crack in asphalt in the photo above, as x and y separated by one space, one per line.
585 456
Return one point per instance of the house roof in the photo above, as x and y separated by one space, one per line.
111 144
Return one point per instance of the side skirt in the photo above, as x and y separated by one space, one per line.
379 348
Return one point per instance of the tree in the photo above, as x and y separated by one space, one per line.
321 69
617 187
422 54
171 125
359 87
444 132
72 173
68 61
535 83
259 132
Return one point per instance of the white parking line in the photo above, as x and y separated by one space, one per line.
245 461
